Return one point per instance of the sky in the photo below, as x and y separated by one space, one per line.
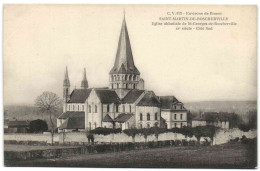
41 40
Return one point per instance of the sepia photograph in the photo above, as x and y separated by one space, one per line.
130 86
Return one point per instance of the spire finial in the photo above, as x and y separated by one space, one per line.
66 81
124 14
84 82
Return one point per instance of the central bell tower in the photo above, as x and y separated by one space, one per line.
124 76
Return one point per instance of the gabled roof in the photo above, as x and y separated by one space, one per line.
107 118
72 114
79 95
149 99
167 101
107 96
124 55
18 123
123 117
132 96
73 123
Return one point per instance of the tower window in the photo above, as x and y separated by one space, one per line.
175 116
116 107
155 116
123 108
181 116
107 107
141 116
148 116
89 108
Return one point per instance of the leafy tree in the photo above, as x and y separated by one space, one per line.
49 103
132 132
37 126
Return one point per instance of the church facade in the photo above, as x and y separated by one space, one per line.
124 104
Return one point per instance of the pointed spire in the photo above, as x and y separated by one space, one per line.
66 81
84 82
124 53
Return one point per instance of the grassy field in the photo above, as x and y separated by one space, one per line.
12 147
222 156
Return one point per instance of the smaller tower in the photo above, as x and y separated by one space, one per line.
84 82
66 87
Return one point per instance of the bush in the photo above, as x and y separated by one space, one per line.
37 126
105 131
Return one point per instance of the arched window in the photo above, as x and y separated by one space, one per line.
134 77
148 116
123 108
89 108
117 85
175 116
73 107
125 77
181 116
133 86
69 107
116 107
82 107
156 124
148 125
155 116
95 108
89 125
126 86
130 108
107 107
141 116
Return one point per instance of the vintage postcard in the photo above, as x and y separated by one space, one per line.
130 86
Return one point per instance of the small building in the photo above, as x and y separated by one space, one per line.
17 126
173 112
216 119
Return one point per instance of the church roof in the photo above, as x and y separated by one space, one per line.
107 96
149 99
168 101
79 95
124 62
72 114
132 96
73 123
123 117
107 118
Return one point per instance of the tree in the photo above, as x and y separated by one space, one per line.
37 126
49 103
132 133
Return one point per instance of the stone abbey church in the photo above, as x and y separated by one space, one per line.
124 104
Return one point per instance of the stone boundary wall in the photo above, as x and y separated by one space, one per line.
97 148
